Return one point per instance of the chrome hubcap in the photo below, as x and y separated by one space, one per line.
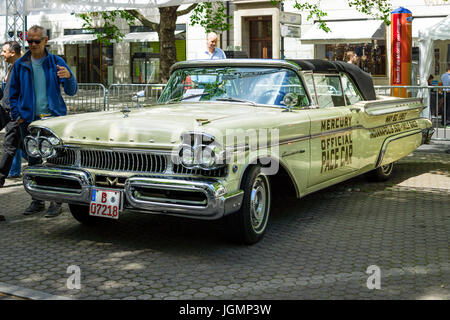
258 204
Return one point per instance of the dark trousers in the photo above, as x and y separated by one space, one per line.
10 145
14 135
446 110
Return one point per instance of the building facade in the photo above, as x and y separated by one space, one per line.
259 29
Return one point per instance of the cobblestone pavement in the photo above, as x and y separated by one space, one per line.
318 247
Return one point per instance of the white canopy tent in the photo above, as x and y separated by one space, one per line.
439 31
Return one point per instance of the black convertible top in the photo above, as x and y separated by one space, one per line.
362 79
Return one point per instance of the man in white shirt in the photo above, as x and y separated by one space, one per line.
211 52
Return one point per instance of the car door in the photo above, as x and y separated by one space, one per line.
334 124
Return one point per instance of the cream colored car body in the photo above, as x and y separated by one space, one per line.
316 147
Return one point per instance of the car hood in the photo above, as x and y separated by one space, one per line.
155 127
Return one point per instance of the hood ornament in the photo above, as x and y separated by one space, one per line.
202 122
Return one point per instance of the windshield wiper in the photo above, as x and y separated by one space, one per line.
187 97
236 100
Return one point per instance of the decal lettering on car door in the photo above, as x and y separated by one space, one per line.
337 152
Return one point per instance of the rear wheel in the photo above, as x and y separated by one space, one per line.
249 224
81 214
382 173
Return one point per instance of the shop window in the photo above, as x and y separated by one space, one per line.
91 63
145 60
371 56
437 69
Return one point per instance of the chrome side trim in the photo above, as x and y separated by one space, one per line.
388 102
392 110
385 145
326 133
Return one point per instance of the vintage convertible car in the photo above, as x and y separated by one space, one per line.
224 136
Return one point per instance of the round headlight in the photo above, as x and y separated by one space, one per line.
207 158
187 157
31 146
46 148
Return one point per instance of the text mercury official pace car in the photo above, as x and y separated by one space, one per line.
223 136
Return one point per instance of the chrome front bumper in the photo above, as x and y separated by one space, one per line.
195 198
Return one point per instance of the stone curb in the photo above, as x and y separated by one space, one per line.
28 293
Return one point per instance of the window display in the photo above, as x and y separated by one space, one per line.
371 57
144 55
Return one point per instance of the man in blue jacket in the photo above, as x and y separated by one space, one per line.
35 93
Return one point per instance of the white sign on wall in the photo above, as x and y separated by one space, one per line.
290 18
290 31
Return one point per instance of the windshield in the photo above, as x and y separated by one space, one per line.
237 84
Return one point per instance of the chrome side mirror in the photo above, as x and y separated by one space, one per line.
290 100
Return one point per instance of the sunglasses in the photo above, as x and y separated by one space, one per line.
34 41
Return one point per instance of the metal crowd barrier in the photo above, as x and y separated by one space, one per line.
123 96
437 100
89 98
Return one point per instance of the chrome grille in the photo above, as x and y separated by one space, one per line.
68 158
126 161
221 172
111 160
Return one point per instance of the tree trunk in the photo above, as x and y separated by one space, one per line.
167 49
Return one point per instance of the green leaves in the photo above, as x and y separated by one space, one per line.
379 9
211 16
314 12
108 32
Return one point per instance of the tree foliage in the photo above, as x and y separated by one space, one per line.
211 16
108 31
379 9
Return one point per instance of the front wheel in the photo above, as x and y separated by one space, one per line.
81 214
382 173
249 224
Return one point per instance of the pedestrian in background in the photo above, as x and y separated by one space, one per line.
352 57
35 93
10 53
211 52
445 79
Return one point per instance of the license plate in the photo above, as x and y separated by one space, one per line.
105 203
